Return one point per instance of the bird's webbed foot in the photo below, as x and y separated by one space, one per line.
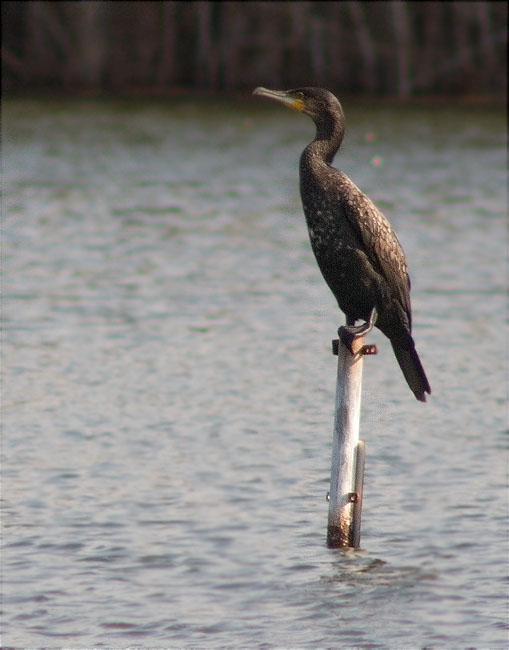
349 332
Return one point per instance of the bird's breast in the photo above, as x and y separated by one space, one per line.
327 223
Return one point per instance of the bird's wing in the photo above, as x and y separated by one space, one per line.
380 243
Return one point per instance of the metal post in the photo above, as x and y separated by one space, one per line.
360 461
347 468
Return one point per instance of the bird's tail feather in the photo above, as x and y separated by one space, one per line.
411 365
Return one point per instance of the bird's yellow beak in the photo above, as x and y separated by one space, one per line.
280 96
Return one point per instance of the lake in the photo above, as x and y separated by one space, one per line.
168 382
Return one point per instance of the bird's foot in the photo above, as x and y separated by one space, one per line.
348 333
347 337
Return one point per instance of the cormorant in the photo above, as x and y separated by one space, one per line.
358 252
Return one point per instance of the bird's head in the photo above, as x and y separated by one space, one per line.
317 103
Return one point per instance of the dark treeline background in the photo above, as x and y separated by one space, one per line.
392 48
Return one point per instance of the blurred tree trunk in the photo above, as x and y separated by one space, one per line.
122 58
85 25
230 38
367 46
296 62
206 51
487 37
432 20
402 37
166 68
463 72
316 45
47 42
145 41
271 39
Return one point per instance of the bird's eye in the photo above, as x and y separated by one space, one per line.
298 95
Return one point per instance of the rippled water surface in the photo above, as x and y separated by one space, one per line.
168 386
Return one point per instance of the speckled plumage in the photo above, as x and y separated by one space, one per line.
356 249
355 246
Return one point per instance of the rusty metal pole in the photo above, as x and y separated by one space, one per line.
347 467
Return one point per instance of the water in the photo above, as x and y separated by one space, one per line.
168 386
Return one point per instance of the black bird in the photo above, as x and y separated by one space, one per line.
357 251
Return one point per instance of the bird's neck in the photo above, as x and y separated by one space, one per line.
328 139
